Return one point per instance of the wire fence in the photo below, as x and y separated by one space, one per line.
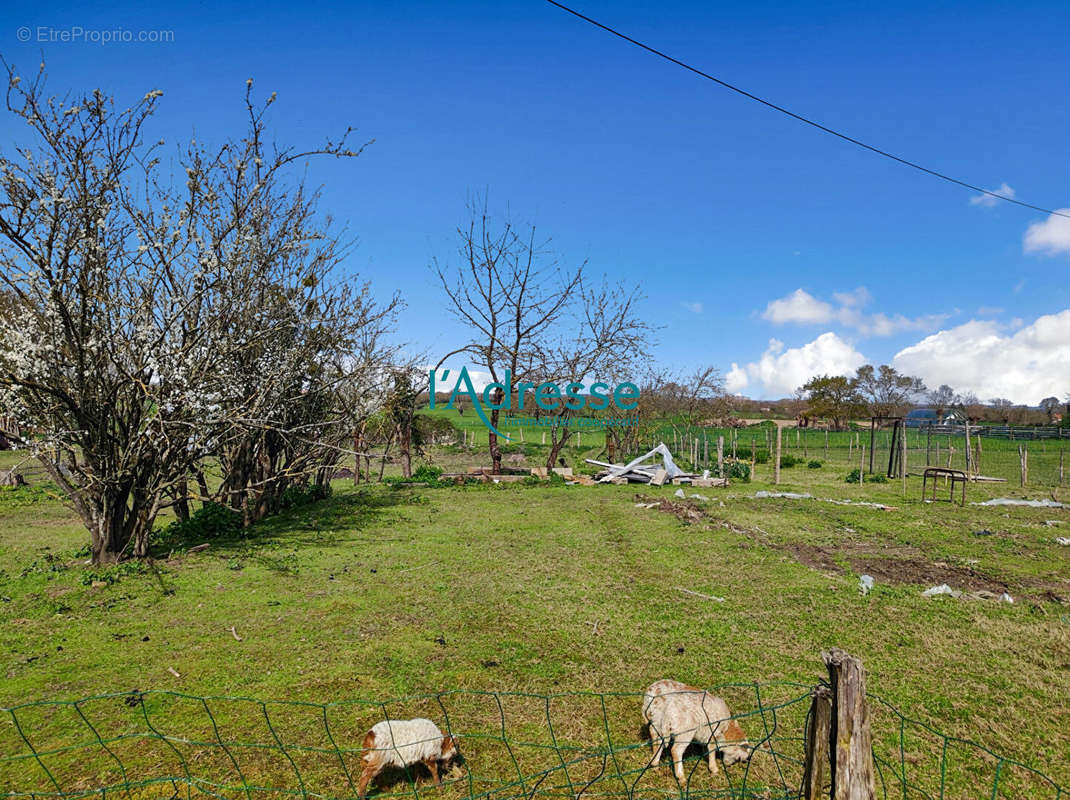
514 745
1019 461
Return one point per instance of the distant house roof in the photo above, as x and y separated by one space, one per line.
921 416
922 413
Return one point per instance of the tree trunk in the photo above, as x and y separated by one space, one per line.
202 485
111 527
557 444
492 438
182 500
405 447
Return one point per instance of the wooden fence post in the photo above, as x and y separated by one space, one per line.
853 775
776 464
903 459
816 758
861 464
969 473
720 456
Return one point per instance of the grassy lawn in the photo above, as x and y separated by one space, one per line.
379 593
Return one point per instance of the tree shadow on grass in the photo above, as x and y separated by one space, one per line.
323 523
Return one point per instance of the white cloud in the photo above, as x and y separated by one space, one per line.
780 371
694 308
1050 237
987 200
885 325
853 299
803 308
736 379
799 306
1025 366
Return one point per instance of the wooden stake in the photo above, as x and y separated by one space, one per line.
969 460
903 458
720 456
776 464
853 775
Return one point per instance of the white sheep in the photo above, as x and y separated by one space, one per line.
403 743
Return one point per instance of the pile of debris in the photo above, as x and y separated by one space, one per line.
637 471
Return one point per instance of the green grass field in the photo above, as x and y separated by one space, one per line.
383 593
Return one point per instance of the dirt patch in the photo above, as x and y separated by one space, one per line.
928 573
683 511
893 567
814 557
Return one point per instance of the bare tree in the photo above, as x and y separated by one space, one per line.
609 339
686 400
942 398
511 293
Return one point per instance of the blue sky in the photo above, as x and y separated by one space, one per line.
764 247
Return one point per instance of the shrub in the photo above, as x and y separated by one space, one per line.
787 461
297 496
427 472
737 470
761 455
852 477
210 521
814 464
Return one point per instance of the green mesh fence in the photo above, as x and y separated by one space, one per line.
176 746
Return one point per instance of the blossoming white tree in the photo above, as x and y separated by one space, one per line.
142 309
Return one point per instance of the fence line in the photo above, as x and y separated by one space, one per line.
516 746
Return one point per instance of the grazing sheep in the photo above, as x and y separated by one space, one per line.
403 743
683 714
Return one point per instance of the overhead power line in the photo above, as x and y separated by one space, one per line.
824 128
